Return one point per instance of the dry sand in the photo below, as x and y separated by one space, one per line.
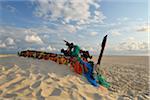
27 78
128 75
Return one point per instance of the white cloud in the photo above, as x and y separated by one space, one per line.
144 28
123 19
30 48
83 48
33 39
90 49
49 48
70 28
2 45
97 13
11 8
10 41
68 10
114 32
78 27
42 49
131 44
23 38
93 33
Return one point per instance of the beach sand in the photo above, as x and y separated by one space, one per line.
128 75
33 79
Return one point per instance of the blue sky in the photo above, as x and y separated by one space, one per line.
43 24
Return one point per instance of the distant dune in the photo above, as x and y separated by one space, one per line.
144 60
26 78
7 55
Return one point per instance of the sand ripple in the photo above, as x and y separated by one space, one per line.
45 80
45 87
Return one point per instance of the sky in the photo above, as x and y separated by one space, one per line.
44 24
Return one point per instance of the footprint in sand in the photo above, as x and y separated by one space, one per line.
39 96
97 96
10 95
14 84
56 92
74 87
11 76
23 89
1 92
36 84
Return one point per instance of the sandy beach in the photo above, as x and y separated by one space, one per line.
27 78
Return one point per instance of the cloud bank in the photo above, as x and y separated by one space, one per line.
69 11
131 44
